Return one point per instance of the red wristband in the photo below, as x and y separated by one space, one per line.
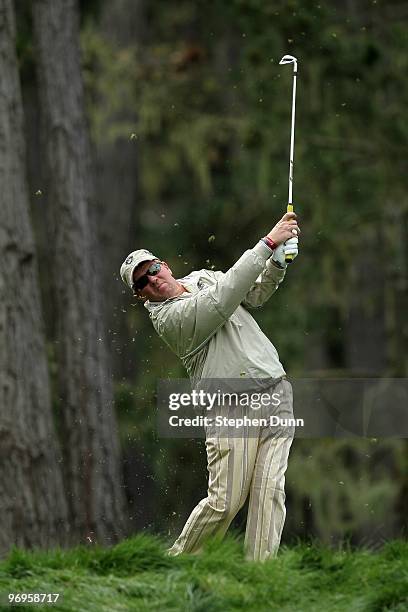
270 243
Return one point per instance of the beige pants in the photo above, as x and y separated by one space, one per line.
253 463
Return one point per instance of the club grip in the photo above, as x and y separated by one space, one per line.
292 243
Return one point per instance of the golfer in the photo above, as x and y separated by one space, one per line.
204 319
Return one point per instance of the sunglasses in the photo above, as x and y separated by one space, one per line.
143 280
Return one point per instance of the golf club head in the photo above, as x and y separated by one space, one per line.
289 59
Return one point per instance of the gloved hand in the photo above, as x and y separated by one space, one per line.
278 256
290 247
285 235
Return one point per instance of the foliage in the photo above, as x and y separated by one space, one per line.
346 487
138 575
209 108
203 99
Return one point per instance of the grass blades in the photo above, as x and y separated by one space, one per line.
137 575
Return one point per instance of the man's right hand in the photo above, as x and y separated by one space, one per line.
285 229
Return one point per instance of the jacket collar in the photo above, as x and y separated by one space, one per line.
193 282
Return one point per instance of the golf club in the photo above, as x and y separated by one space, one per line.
291 245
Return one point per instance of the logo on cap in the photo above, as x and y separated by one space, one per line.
129 259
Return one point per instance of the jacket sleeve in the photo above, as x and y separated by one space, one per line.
265 285
187 323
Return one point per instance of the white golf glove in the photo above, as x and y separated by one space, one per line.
278 256
291 247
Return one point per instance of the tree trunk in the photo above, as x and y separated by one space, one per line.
123 23
32 504
92 456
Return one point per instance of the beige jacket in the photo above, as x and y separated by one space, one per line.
210 328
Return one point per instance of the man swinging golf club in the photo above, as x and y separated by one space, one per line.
204 319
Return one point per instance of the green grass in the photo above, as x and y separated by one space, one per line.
138 575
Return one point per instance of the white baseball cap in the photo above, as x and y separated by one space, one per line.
131 262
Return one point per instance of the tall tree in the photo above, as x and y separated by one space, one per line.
92 462
32 504
118 166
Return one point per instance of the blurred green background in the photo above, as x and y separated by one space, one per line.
189 114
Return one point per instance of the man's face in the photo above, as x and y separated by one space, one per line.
159 287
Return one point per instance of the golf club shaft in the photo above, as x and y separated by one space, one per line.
289 257
292 144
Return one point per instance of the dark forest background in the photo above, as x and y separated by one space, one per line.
165 125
